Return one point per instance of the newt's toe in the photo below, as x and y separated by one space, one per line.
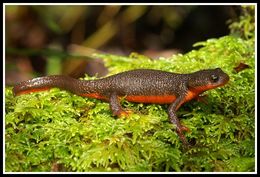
125 113
184 128
122 113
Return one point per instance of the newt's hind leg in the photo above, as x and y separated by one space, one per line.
115 106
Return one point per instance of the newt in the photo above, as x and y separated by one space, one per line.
141 86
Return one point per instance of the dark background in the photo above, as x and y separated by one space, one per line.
34 33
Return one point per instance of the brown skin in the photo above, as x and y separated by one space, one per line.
141 86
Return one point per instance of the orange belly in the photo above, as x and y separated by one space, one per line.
161 99
32 90
94 95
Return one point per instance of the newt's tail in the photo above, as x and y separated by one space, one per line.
45 83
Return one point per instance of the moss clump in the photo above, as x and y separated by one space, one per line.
58 129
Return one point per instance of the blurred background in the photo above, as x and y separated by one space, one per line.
43 40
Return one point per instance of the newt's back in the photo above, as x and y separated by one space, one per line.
143 82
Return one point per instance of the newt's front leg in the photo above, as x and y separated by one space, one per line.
174 119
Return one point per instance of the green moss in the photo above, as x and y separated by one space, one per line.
57 127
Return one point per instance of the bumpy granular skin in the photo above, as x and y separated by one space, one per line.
142 85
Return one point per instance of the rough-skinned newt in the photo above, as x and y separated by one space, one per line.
141 86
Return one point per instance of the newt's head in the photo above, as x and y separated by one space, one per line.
204 80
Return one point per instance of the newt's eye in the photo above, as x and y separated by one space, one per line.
214 78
